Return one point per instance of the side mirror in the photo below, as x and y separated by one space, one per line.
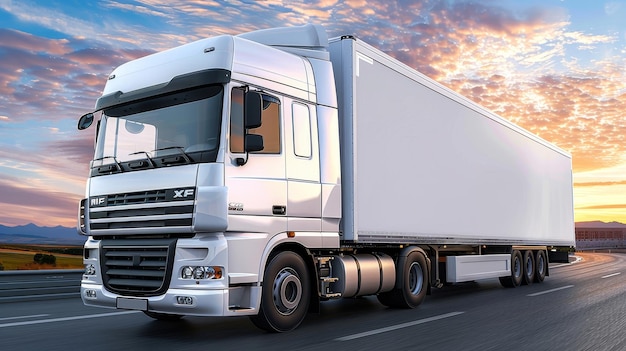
85 121
253 106
253 142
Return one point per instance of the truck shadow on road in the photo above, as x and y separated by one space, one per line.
360 313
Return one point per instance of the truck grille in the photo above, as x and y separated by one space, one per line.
137 266
163 208
142 197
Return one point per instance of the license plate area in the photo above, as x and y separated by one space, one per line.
132 304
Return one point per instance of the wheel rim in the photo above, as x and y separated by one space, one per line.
416 278
529 266
287 291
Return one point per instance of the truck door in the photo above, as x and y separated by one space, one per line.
304 204
257 190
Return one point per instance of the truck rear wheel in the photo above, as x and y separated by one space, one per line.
286 294
411 282
529 268
541 266
517 271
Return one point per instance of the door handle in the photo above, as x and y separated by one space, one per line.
279 210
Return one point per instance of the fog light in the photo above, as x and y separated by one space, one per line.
90 269
184 300
90 293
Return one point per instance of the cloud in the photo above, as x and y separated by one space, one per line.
93 21
59 163
139 9
78 150
510 62
45 185
47 79
612 7
587 41
528 65
572 112
23 204
21 41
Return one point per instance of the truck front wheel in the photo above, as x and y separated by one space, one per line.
286 294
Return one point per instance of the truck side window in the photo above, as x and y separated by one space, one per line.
301 130
270 126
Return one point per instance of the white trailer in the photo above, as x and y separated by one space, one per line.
264 173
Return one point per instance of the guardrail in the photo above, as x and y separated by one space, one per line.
49 283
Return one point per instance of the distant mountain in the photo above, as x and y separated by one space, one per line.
33 234
599 224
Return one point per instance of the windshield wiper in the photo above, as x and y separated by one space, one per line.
177 159
108 167
150 160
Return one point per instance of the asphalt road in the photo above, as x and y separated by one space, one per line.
580 306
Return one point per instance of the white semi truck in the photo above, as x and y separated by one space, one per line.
263 173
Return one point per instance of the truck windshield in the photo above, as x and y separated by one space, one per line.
181 128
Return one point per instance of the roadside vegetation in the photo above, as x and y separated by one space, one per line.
35 257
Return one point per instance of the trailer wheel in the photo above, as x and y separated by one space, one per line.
529 268
541 266
411 282
517 271
286 294
163 316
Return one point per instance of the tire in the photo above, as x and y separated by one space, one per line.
387 298
529 268
517 271
541 266
163 316
411 282
286 294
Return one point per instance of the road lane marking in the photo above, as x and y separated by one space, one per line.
25 297
64 319
24 317
576 260
551 290
611 275
397 326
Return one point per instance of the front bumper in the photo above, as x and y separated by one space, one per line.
210 302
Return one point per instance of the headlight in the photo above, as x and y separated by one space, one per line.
201 272
187 272
198 273
209 272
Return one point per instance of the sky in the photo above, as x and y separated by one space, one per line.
554 67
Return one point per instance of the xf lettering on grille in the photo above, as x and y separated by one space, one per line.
183 193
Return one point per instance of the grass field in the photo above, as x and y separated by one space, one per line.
20 257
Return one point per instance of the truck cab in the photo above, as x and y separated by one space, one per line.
207 157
